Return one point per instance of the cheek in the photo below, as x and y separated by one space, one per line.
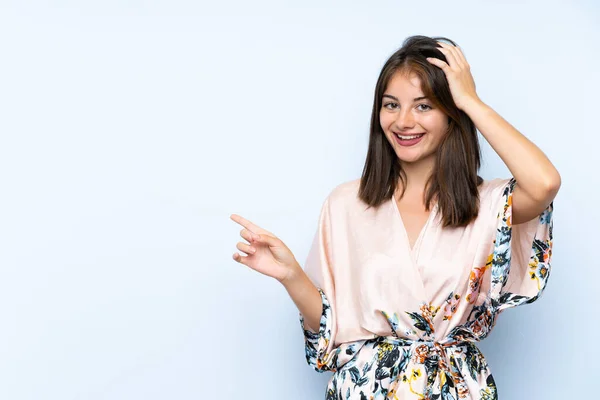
437 124
383 120
386 117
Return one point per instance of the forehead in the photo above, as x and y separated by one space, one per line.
404 83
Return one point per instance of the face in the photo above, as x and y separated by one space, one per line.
405 111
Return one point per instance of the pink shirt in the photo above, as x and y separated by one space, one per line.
376 286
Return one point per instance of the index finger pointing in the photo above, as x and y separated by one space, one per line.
244 222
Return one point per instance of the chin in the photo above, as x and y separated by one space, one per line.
408 158
414 158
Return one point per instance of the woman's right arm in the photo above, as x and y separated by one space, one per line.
311 288
268 255
306 296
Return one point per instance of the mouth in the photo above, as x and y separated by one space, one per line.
408 140
409 136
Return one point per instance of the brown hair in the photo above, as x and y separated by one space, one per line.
454 180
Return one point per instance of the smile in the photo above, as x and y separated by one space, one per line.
408 140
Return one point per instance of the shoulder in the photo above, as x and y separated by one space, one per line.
344 195
490 191
490 186
345 190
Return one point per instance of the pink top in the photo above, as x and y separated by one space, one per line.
376 286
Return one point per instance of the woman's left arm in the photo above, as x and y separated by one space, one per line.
538 181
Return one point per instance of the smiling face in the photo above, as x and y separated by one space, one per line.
406 112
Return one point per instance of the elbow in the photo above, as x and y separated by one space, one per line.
553 184
548 188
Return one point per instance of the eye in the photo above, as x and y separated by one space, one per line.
425 105
390 104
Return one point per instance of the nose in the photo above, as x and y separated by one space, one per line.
405 120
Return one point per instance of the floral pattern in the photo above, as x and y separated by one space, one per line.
412 362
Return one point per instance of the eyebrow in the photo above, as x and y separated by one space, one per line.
415 99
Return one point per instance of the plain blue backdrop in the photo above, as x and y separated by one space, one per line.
130 131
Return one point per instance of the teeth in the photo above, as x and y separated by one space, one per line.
408 137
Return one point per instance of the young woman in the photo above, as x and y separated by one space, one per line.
413 262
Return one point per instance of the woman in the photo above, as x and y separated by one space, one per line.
413 262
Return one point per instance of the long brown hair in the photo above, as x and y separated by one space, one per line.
454 180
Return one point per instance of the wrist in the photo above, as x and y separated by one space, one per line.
293 275
472 104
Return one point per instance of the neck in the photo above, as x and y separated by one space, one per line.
417 175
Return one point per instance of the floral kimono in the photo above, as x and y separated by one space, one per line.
402 323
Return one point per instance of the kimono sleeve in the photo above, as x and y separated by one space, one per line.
521 253
319 346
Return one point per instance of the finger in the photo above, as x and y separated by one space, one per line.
241 259
248 235
268 240
439 63
461 55
246 248
454 53
449 55
243 221
247 224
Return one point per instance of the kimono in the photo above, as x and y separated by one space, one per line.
402 323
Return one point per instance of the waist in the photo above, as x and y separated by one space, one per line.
419 349
444 342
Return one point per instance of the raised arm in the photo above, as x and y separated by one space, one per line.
268 255
538 181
